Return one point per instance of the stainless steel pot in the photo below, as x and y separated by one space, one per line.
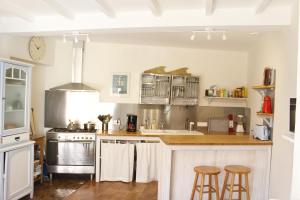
90 126
72 126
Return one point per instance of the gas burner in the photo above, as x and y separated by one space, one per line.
65 130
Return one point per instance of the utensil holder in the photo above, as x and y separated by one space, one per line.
104 126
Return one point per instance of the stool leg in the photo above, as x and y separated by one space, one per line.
240 186
201 186
209 187
217 187
231 186
224 186
247 186
194 186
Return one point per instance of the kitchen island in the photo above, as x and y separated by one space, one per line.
181 153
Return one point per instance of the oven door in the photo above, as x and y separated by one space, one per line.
71 153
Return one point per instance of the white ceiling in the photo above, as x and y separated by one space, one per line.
44 16
236 40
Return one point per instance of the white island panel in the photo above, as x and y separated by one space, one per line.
177 177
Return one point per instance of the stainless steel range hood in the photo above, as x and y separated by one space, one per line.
77 69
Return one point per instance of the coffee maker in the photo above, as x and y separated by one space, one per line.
131 123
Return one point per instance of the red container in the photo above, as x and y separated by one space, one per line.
267 105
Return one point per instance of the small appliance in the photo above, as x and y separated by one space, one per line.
267 105
261 132
240 124
131 123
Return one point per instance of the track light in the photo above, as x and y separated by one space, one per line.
193 36
224 37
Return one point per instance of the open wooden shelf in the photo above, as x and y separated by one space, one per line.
264 114
263 87
210 99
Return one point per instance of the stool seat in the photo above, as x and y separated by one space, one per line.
240 171
207 170
237 169
204 171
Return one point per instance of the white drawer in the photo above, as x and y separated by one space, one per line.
15 138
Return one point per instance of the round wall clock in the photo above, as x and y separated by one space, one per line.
37 48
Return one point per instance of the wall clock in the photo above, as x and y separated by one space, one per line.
37 48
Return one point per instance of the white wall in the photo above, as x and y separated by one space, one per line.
224 68
277 50
214 67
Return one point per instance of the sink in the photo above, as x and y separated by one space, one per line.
169 132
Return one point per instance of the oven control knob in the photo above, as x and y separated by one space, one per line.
91 138
86 138
82 137
77 137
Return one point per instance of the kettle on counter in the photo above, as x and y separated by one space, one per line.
267 105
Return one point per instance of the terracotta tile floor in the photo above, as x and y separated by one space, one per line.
116 191
70 187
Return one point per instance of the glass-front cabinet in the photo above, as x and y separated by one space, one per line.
15 101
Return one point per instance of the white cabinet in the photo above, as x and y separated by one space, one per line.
15 93
1 176
16 171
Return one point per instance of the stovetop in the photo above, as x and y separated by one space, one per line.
63 134
65 130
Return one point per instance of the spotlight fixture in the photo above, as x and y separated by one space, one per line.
193 36
208 37
224 37
209 31
76 37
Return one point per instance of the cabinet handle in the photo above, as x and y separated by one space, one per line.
17 138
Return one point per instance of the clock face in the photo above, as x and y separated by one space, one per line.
37 48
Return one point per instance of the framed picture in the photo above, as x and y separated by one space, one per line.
120 84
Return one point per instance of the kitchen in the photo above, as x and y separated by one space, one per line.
235 62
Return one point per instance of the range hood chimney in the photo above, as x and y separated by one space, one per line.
77 69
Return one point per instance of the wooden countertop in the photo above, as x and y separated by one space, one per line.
124 133
212 140
215 139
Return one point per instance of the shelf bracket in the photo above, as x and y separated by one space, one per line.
268 121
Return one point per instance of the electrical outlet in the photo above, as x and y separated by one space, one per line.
116 122
202 124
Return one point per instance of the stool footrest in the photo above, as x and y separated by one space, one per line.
212 188
236 190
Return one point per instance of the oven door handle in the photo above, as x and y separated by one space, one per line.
53 141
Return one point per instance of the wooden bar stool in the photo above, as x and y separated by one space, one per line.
203 171
240 171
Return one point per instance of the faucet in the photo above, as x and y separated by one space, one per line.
186 124
161 124
147 123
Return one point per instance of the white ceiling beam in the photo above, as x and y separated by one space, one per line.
60 8
209 7
262 6
15 10
155 8
106 9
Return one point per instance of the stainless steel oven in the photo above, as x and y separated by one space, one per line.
71 152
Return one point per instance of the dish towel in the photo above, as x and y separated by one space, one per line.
117 162
147 162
